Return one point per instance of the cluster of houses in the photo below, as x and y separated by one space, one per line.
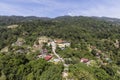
54 43
44 54
62 44
59 42
19 42
39 42
20 47
100 56
47 56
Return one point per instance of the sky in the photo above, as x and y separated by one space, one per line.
54 8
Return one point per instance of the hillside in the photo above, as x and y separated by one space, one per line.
7 20
80 48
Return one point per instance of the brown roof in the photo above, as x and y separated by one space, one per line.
59 41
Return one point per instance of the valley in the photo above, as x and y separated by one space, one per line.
61 48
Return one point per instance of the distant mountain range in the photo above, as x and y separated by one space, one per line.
6 20
108 19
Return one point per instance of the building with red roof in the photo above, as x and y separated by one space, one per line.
84 60
47 57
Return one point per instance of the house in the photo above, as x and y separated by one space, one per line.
65 74
44 52
117 44
84 60
19 42
108 60
61 43
4 49
12 26
57 41
47 57
39 56
64 44
39 43
98 55
43 39
36 46
21 51
56 60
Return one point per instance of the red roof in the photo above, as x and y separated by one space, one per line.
48 57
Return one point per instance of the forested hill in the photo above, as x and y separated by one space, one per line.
91 38
6 20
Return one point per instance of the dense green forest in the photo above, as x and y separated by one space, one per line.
88 36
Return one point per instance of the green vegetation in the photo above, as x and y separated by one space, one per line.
18 67
95 39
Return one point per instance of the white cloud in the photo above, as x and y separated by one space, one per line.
110 8
103 10
7 9
10 9
54 8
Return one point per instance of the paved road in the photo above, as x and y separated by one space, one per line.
66 67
